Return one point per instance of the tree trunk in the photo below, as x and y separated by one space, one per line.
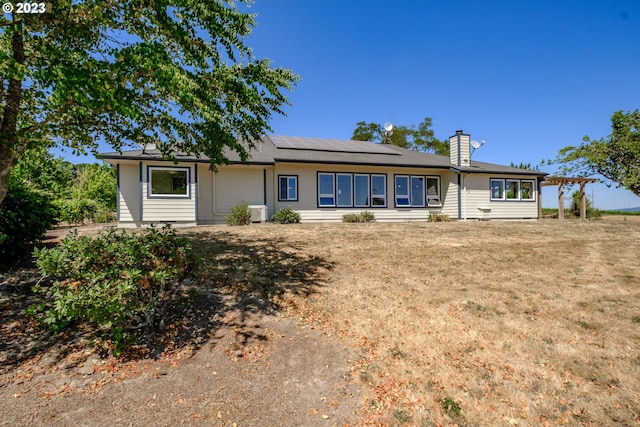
9 146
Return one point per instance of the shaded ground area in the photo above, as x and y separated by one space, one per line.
460 323
226 355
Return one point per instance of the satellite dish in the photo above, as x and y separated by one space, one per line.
475 144
388 127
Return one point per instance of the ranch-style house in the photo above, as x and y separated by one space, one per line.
322 179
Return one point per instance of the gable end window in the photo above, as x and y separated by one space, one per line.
288 188
168 182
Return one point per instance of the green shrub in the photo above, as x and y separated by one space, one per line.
350 218
77 211
286 216
367 216
434 217
240 215
574 210
118 281
25 215
104 215
364 216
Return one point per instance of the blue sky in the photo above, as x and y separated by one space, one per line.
528 77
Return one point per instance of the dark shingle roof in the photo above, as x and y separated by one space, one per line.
281 149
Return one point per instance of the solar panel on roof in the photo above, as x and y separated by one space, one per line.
333 145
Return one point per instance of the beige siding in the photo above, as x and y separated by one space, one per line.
216 193
307 203
230 186
129 192
477 203
449 183
163 209
205 194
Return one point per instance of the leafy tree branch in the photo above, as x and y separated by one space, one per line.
420 138
176 73
616 157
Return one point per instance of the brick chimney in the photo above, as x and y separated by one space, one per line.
459 150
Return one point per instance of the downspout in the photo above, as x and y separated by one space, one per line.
459 195
117 192
141 195
264 186
196 195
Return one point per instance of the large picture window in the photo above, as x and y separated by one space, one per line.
288 188
433 191
513 189
168 182
348 190
402 191
379 190
417 191
326 189
361 190
345 190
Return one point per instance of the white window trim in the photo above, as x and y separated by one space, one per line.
402 196
152 195
504 189
337 186
533 190
422 198
519 198
377 196
368 177
332 195
290 188
432 201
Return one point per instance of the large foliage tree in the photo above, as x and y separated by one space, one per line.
616 157
419 138
176 73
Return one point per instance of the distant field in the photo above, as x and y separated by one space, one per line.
622 217
470 323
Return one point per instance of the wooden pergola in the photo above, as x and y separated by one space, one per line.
561 181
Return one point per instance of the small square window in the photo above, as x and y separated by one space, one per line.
513 189
497 189
288 188
527 190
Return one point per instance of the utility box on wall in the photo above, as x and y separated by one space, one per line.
258 213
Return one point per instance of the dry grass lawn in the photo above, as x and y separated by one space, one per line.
467 323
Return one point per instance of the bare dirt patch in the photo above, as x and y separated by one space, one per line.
498 323
227 355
